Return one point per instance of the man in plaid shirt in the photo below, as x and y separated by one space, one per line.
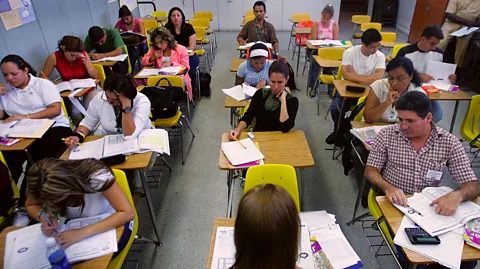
411 155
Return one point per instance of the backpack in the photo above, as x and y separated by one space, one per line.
205 79
6 191
345 137
164 99
291 78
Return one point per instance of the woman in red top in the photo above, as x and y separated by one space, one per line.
72 62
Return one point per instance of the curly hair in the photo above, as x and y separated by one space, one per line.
71 43
163 34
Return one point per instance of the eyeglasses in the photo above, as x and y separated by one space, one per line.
408 122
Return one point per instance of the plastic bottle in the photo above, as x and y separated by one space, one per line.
56 255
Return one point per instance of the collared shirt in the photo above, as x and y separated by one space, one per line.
466 9
405 168
252 33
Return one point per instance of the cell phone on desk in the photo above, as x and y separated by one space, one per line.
419 236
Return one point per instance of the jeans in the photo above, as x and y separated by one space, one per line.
194 61
437 111
315 68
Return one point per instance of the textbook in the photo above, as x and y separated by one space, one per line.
25 248
26 128
170 71
118 58
367 134
420 211
76 84
328 43
111 145
471 234
248 45
237 154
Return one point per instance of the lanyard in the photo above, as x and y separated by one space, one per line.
256 30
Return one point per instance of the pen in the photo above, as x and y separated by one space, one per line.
240 143
48 220
68 140
414 210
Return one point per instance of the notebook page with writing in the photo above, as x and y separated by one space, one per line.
6 127
237 154
63 86
249 90
31 128
117 144
154 140
93 149
147 72
118 58
82 83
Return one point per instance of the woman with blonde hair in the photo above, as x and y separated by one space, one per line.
77 189
267 229
165 52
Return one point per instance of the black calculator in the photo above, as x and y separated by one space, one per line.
420 236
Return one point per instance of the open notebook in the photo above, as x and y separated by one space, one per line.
75 84
118 58
110 145
26 128
25 248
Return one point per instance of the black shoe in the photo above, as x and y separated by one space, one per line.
364 202
330 139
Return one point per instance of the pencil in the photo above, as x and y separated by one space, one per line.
240 143
68 140
388 85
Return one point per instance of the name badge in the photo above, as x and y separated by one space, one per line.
392 118
434 175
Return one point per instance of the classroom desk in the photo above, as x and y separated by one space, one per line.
22 145
106 64
97 263
139 161
394 217
301 31
278 148
450 96
218 222
234 105
236 64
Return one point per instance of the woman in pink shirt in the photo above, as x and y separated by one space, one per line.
326 28
166 52
128 23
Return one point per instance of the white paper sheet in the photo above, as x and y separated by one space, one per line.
171 70
236 93
440 71
327 43
249 90
82 83
118 58
465 31
93 149
63 86
317 219
237 154
305 248
116 144
447 253
147 72
6 127
224 250
76 101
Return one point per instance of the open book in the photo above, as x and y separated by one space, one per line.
110 145
367 134
328 43
26 128
25 248
425 216
170 70
76 84
248 45
118 58
240 92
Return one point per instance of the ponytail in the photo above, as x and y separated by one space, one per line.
20 63
407 65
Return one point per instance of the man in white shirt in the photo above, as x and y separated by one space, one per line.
363 64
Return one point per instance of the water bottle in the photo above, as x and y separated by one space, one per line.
56 255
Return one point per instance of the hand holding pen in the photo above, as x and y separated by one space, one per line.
49 226
72 141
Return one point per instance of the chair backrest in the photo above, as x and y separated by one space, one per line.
250 12
368 25
359 116
470 126
248 18
277 174
121 180
396 48
361 18
377 213
203 15
100 72
174 80
160 13
300 17
128 60
331 53
149 24
389 36
200 33
242 112
204 23
65 112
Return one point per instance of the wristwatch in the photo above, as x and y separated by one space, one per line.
127 109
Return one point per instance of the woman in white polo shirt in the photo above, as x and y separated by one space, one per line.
120 109
401 78
25 96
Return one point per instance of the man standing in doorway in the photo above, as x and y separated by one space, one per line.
259 29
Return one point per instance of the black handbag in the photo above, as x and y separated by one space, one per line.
164 99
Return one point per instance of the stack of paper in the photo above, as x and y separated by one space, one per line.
237 154
119 58
25 248
249 90
465 31
248 45
367 134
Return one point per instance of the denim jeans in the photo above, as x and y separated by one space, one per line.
194 61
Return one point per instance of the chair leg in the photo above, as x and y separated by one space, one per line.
318 99
291 32
188 125
197 74
188 106
305 65
181 141
165 162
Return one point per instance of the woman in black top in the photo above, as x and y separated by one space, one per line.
274 108
185 35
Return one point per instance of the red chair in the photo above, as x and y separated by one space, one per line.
303 24
268 58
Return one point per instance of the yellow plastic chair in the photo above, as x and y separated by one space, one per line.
296 17
365 26
377 214
16 193
205 24
359 19
389 36
242 112
250 12
277 174
247 19
360 114
470 128
125 50
64 108
160 13
149 24
203 15
121 180
201 40
101 73
395 50
338 76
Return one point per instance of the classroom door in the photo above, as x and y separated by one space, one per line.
426 12
230 14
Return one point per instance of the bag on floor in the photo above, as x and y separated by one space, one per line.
205 79
164 99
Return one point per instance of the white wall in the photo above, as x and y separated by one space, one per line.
232 11
406 9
